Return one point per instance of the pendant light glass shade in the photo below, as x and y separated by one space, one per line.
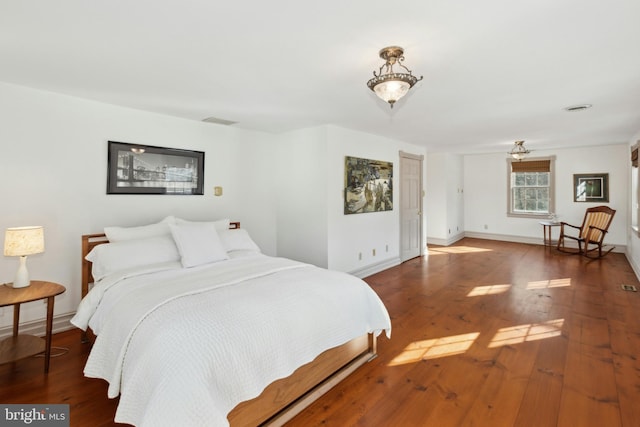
392 90
389 85
519 152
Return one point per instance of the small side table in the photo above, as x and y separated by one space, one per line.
17 346
547 226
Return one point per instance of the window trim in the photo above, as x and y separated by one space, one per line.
552 189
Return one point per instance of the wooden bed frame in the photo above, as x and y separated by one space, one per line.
286 397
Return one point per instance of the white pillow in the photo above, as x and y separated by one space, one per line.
119 234
221 224
237 240
110 258
198 243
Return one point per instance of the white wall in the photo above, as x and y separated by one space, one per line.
312 226
445 198
301 195
633 240
53 170
350 235
485 192
436 198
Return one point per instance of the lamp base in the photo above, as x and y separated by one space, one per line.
22 275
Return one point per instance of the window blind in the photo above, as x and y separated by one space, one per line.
531 166
634 157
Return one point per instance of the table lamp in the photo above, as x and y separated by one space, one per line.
23 241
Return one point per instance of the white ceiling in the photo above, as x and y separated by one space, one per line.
495 71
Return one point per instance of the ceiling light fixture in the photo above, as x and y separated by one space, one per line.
519 151
391 86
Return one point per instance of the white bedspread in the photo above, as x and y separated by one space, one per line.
185 346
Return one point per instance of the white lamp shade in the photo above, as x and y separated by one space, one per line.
21 241
392 90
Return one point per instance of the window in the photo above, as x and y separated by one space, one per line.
531 192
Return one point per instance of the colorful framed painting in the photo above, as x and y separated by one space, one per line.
368 185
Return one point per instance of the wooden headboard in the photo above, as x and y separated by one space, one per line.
90 241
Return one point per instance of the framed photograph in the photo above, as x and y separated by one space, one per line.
368 185
145 169
592 187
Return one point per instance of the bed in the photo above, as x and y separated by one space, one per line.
192 325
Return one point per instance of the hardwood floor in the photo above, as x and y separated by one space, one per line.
485 333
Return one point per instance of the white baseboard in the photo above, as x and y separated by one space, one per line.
445 242
38 327
530 240
635 267
375 268
505 237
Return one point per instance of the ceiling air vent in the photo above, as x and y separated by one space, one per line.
219 121
580 107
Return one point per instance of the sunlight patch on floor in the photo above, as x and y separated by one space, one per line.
544 284
527 332
435 348
456 250
488 290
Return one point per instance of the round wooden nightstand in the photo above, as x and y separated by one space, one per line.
18 346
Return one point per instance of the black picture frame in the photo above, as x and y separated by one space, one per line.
147 169
591 187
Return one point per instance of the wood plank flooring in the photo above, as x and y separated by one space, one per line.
485 333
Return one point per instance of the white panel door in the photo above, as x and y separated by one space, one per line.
410 206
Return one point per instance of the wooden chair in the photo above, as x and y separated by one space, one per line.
594 227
